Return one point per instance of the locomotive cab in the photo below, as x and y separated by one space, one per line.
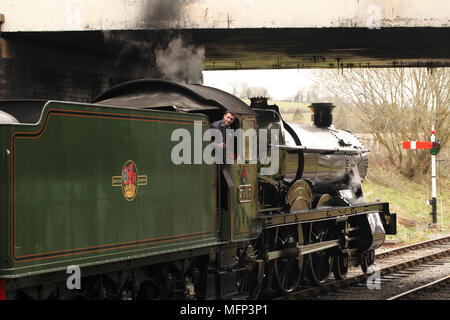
236 182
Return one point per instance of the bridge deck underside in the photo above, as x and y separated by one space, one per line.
268 48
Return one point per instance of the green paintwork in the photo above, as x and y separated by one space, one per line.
243 214
59 203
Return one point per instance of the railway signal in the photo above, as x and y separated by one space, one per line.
434 147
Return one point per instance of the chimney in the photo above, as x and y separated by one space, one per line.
258 102
322 114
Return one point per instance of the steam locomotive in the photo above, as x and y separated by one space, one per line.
95 207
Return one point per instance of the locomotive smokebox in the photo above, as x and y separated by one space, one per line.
322 114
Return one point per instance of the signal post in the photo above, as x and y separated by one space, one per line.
434 151
434 147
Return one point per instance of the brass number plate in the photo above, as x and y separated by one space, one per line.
245 193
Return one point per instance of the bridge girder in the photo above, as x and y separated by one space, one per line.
247 34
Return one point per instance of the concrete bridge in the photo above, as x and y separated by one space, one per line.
229 34
251 33
83 15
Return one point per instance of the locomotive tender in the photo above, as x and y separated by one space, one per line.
94 186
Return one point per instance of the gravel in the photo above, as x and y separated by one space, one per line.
390 285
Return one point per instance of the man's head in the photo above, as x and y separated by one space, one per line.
228 118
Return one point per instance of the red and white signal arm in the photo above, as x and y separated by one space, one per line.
417 145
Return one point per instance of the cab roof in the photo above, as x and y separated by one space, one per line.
156 93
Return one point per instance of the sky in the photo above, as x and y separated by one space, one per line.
282 84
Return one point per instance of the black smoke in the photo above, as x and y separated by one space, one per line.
162 54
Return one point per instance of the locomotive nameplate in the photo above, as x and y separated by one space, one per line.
245 193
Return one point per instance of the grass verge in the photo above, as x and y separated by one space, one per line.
408 198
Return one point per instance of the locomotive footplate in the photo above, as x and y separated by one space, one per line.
325 213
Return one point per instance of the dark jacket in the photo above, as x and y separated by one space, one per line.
220 125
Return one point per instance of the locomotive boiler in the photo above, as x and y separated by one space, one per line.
95 186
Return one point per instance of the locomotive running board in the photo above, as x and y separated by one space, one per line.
318 150
325 213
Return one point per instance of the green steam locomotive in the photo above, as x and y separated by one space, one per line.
116 200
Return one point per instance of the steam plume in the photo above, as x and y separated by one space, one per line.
162 55
180 62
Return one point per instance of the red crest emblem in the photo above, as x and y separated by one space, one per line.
129 180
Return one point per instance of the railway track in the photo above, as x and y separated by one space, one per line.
415 246
392 268
438 289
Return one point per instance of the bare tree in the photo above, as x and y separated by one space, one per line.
299 96
298 115
397 104
310 94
